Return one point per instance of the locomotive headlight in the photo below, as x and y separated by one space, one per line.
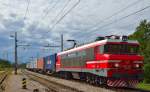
137 65
116 65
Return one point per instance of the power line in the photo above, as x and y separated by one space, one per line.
47 12
61 11
92 37
62 17
124 17
115 21
116 13
120 11
48 9
27 9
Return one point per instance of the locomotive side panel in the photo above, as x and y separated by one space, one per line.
77 59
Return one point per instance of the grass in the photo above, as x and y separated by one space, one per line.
8 70
144 86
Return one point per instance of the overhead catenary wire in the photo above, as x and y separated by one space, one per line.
65 14
61 11
47 10
124 17
113 15
93 37
115 21
62 17
110 23
45 15
27 9
118 12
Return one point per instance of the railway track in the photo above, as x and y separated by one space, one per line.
51 85
56 87
116 89
3 76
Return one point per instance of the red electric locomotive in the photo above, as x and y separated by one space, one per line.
113 62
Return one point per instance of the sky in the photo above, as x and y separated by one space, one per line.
41 22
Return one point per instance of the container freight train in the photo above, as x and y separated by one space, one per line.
113 62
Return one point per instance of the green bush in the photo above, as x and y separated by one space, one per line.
4 64
147 73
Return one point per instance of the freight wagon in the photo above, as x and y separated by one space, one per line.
50 63
28 65
40 64
34 64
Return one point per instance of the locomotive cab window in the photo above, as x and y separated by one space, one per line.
121 49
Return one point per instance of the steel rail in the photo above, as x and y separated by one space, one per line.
52 86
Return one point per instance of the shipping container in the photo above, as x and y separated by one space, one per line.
28 65
35 63
31 64
40 64
50 62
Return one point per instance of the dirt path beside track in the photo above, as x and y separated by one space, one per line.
14 84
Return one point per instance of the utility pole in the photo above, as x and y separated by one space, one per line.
16 57
62 42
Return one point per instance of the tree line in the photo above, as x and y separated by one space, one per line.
4 64
142 34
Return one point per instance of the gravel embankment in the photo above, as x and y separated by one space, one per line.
76 85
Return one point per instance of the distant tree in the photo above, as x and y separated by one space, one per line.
142 34
4 64
23 65
147 73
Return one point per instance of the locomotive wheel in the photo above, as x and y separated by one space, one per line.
87 79
90 79
67 75
97 81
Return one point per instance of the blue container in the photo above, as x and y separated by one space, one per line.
49 63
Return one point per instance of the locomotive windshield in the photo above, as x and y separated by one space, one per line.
121 49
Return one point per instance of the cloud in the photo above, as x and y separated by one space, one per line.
83 23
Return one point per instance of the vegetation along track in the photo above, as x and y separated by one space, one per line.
52 86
